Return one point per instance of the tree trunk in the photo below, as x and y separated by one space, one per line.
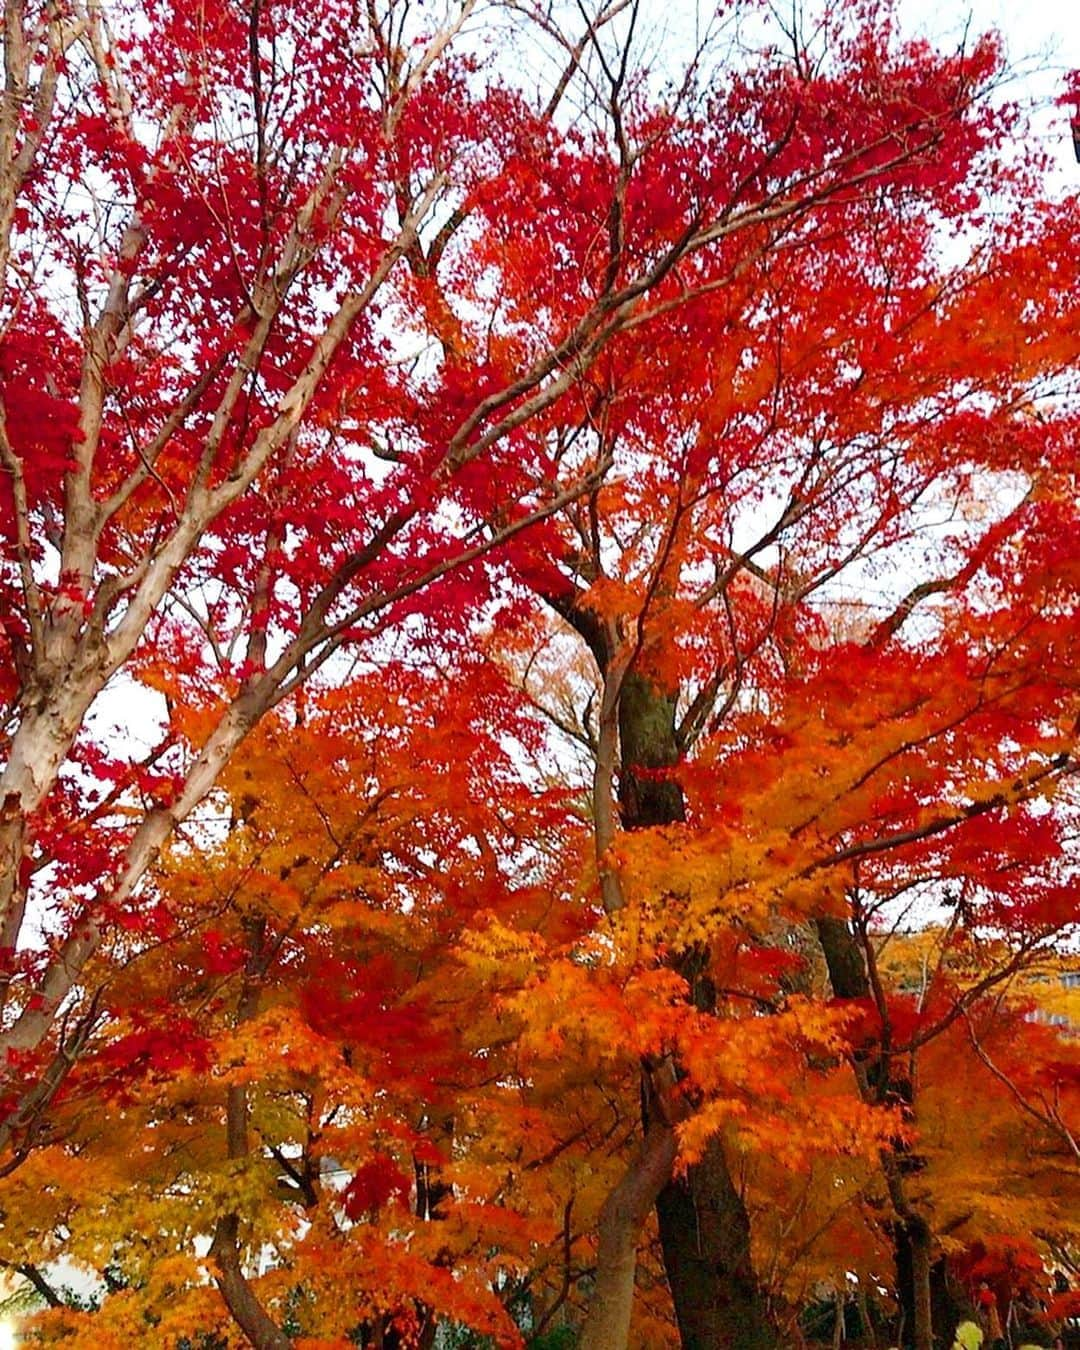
950 1301
647 749
240 1299
705 1235
246 1310
866 1317
607 1325
912 1238
919 1242
431 1191
847 970
704 1226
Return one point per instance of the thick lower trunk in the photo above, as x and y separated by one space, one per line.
951 1302
704 1226
920 1243
647 745
705 1234
844 959
432 1190
622 1217
931 1304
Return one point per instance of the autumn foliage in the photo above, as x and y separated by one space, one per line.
538 648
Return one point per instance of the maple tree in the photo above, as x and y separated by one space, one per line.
331 1027
732 422
701 618
359 1089
215 449
415 1087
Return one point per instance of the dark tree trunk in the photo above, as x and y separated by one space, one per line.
648 750
847 970
929 1287
919 1242
705 1236
704 1226
951 1303
911 1234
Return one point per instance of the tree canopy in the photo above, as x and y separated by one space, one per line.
538 647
